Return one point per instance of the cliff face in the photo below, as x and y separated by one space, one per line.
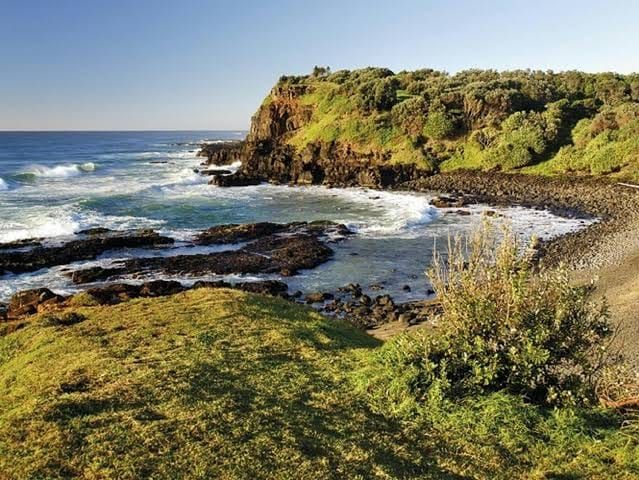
266 154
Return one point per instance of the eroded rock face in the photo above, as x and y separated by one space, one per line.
82 249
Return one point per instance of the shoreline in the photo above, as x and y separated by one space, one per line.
604 244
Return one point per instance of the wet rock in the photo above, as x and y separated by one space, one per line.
376 286
235 233
463 212
75 250
27 242
95 274
94 231
214 171
406 288
270 254
318 297
4 312
353 288
222 153
448 202
237 179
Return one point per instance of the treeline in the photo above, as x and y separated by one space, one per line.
489 119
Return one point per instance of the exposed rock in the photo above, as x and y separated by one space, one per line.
160 288
224 153
213 171
28 242
270 254
318 297
234 233
27 302
448 202
82 249
95 231
267 287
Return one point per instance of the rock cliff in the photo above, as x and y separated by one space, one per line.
266 154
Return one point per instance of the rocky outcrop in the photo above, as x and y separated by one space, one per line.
272 248
82 249
221 154
267 157
29 302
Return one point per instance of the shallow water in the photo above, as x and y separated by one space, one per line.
56 183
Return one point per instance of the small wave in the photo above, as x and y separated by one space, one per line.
3 185
60 171
42 226
387 213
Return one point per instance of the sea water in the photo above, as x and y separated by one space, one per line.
53 184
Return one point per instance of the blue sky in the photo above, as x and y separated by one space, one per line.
195 64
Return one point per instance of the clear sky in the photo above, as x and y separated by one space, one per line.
195 64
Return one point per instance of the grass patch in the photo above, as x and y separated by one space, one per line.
224 384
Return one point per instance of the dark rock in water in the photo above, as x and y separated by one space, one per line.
27 302
376 287
269 254
28 242
235 180
406 288
463 212
318 297
234 233
448 202
95 231
353 288
214 171
75 250
95 274
223 153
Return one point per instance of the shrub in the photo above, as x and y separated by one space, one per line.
438 124
504 327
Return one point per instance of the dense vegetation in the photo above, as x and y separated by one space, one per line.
543 122
216 383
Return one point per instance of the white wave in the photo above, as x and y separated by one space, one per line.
3 184
60 171
385 213
64 221
45 225
183 154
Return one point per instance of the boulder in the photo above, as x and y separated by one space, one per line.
27 302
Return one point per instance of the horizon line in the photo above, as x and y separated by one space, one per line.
239 130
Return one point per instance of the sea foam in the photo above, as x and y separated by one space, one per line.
60 171
3 184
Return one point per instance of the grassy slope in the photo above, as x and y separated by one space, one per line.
223 384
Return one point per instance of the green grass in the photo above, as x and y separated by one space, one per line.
223 384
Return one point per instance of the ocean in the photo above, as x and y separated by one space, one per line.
53 184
